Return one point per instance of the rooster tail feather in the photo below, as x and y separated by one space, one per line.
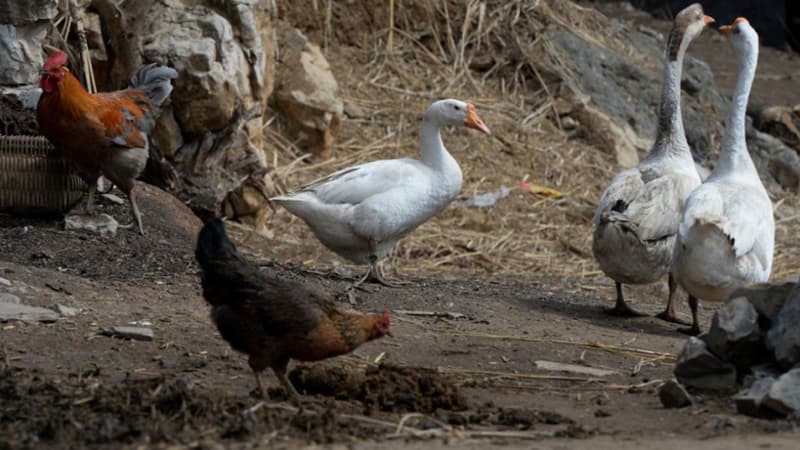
155 81
212 240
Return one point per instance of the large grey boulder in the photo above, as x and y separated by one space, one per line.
306 93
735 335
784 394
783 337
697 367
23 26
766 298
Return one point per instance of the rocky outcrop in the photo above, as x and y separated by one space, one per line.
306 93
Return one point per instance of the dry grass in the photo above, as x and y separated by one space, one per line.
490 53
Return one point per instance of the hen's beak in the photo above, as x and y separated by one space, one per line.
708 20
473 121
726 30
43 72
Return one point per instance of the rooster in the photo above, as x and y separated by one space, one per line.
273 320
104 133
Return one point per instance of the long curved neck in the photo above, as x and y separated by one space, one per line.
734 156
670 136
434 154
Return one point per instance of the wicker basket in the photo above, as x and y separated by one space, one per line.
34 178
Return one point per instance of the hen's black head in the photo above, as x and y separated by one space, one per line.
211 241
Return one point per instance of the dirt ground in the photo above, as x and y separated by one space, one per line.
476 374
477 377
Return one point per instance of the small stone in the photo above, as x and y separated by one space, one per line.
697 367
9 298
784 394
64 310
674 395
766 298
750 401
4 282
735 335
354 111
133 333
114 199
25 313
101 224
783 337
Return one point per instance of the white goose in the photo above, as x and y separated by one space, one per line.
637 218
727 233
362 211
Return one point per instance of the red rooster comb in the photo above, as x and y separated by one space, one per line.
57 59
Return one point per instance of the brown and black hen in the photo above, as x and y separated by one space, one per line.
273 320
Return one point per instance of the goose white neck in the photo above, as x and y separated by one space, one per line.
434 154
734 157
670 136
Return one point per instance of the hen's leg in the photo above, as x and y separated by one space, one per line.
669 312
281 374
259 384
621 308
694 330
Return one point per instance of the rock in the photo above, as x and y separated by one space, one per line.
18 110
605 132
780 121
9 298
735 335
65 310
750 401
25 313
673 395
133 333
783 337
777 164
784 394
15 12
4 282
23 27
766 298
306 93
697 367
100 224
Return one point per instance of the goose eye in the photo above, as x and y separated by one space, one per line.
736 30
457 108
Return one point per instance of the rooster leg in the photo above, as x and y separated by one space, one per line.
137 216
669 312
281 374
90 198
621 308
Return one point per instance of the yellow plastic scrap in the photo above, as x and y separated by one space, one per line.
540 190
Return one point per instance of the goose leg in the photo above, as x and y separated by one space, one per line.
694 330
621 308
669 312
374 274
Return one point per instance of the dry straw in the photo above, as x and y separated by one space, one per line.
497 55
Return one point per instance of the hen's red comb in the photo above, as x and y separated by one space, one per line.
57 59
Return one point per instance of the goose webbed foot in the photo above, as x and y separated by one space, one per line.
621 309
669 316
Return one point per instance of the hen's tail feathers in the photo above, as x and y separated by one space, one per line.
212 240
155 81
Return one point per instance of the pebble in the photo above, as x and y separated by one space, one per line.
101 224
4 282
25 313
64 310
674 395
9 298
133 333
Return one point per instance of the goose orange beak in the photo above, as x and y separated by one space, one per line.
474 121
708 20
